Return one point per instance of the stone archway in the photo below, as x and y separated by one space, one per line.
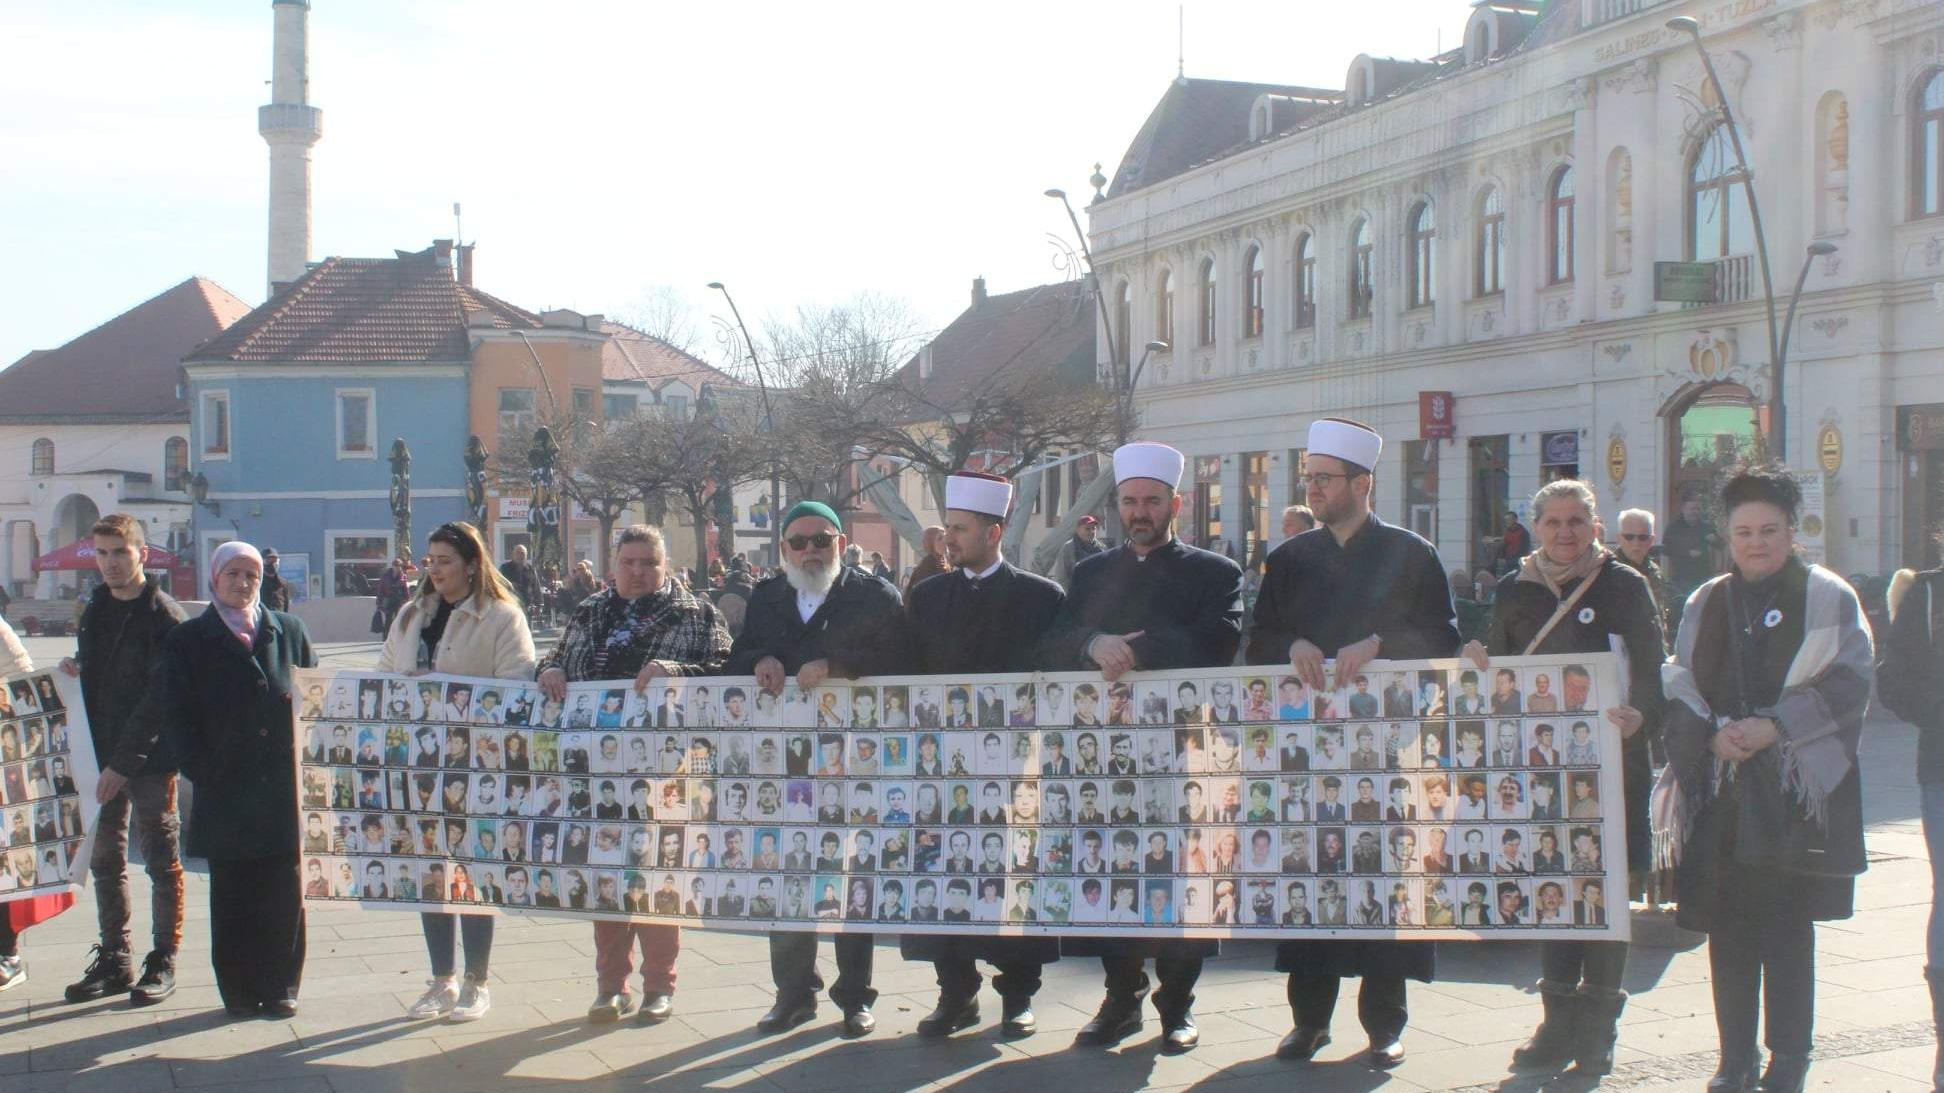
73 516
1711 428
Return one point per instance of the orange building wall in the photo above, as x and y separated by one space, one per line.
568 359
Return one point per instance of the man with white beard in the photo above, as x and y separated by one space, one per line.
820 620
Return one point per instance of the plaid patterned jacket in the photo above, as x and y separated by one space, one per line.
612 638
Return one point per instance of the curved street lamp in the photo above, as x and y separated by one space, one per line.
769 424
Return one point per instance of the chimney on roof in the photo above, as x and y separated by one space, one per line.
978 291
465 264
442 253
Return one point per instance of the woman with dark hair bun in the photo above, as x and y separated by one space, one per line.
1761 800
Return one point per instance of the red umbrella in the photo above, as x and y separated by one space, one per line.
80 554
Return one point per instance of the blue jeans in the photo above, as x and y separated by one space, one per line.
1933 798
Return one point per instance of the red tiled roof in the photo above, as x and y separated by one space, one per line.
125 369
402 310
631 356
1011 336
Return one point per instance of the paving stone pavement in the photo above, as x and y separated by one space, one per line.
365 968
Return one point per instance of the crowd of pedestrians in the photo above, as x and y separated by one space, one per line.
1752 713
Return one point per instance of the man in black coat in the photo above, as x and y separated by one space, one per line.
982 615
1353 590
819 620
1151 603
116 650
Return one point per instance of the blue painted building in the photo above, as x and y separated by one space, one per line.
295 407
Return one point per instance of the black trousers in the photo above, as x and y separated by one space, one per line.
1770 952
1380 1003
1563 965
476 937
256 929
9 937
1127 978
958 977
793 968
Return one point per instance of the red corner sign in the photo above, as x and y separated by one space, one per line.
1435 420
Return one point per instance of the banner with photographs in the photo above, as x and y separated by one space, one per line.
1424 800
47 785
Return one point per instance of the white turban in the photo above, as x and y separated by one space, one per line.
1146 459
1343 440
989 495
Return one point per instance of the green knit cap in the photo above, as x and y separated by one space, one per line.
812 508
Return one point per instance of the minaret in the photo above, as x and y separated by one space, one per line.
290 126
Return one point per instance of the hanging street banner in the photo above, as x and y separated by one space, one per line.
47 785
1419 800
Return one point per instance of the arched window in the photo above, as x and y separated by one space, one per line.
1559 227
1305 282
1488 277
43 456
1718 223
1927 147
1362 288
1164 308
1205 299
175 463
1123 332
1421 255
1252 283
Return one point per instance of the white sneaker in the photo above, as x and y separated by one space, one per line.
474 1001
436 1001
13 972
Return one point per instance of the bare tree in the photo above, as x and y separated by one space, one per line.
691 464
665 312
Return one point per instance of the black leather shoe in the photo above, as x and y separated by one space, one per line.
1385 1054
111 971
281 1010
1302 1043
1117 1019
786 1015
157 982
655 1009
239 1010
1179 1035
1735 1074
1017 1022
949 1016
859 1022
1785 1074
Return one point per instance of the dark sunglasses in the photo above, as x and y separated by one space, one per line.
820 540
1635 538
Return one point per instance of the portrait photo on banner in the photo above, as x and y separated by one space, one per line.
1414 800
47 785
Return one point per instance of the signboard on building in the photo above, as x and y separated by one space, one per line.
1812 524
1829 448
1617 460
515 508
1435 416
1559 449
1685 282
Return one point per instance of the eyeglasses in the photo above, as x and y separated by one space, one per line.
820 540
1323 479
1636 538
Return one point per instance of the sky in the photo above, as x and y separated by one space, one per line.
799 153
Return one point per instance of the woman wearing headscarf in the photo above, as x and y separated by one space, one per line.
1572 595
226 687
1761 800
465 620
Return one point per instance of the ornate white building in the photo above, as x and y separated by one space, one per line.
1485 225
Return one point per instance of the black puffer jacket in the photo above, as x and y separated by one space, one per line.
1910 678
856 628
118 660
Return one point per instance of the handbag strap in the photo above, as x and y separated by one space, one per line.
1565 608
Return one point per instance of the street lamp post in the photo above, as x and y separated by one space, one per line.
1778 439
1093 277
476 483
1125 425
401 497
543 512
1812 252
769 424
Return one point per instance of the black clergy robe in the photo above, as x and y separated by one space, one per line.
1386 581
1189 602
954 628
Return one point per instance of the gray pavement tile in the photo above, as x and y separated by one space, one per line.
139 1076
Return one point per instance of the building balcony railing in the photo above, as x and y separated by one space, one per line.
1734 279
1606 11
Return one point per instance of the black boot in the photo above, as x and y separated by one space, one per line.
950 1015
1737 1071
157 982
1936 978
1118 1018
1552 1042
112 971
1785 1074
1599 1030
